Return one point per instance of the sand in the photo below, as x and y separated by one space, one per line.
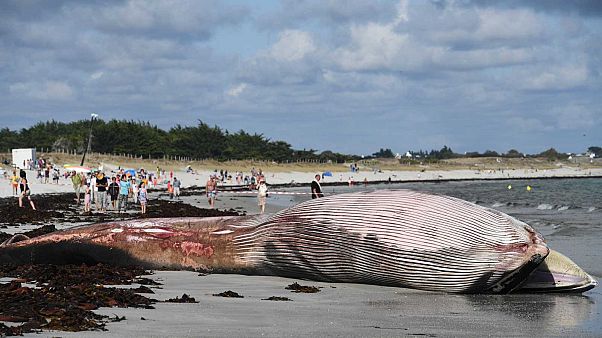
199 178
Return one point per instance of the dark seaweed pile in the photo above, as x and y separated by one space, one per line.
295 287
62 208
65 296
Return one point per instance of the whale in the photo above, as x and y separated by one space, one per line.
398 238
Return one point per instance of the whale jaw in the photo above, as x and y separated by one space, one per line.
557 273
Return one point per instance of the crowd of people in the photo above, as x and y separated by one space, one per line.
121 189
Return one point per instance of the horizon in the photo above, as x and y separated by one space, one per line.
347 76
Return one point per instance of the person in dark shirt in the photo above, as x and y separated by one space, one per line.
316 189
114 192
25 193
101 184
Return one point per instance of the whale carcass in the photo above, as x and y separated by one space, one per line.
388 237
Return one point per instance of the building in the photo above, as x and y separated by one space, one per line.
20 156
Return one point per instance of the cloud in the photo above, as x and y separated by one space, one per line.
557 78
237 90
292 45
50 90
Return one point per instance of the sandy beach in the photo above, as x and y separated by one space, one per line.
355 310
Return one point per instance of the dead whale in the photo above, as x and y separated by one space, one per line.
397 238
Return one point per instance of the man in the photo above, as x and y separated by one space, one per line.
124 191
211 190
316 189
76 179
176 187
101 198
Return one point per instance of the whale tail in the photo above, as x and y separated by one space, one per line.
557 273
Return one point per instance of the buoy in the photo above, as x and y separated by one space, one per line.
528 188
509 186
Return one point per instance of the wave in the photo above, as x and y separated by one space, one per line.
545 207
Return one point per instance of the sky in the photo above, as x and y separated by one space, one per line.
348 76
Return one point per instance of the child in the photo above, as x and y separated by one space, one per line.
14 181
25 192
142 195
87 198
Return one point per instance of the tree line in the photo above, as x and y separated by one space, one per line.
202 141
149 141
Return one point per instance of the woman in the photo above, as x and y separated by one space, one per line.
262 194
25 192
142 196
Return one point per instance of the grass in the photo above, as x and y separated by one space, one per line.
482 163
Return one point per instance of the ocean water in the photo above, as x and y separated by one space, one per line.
568 212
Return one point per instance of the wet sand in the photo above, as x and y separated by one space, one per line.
348 309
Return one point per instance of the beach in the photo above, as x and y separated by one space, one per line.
567 211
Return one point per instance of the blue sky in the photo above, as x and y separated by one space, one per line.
348 76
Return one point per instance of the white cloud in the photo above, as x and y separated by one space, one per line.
292 45
237 90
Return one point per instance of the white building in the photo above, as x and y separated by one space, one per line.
22 155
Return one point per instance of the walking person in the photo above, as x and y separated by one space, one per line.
101 197
25 193
176 187
262 195
124 191
316 188
87 198
142 197
135 189
76 179
114 192
211 190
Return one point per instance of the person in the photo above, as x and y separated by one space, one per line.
124 191
14 181
169 189
87 192
142 197
92 186
176 187
22 173
76 179
113 191
25 192
262 194
316 189
134 189
101 198
46 173
211 190
55 175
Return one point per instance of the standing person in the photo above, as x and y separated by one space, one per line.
47 173
25 192
101 197
169 189
76 179
134 189
124 191
142 197
87 199
113 191
262 194
176 187
316 188
211 190
92 188
14 181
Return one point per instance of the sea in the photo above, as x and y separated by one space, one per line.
567 212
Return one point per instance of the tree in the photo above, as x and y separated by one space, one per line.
384 153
